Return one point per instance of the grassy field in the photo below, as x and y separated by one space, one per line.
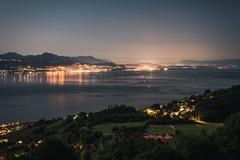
160 129
188 129
106 128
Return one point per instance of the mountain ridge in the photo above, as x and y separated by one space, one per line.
51 57
12 60
213 62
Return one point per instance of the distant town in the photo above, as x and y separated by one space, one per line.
14 62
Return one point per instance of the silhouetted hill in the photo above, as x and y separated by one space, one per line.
90 60
11 55
214 106
124 130
213 62
12 60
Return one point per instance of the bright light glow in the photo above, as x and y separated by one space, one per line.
147 68
10 127
83 68
142 67
197 119
76 116
150 112
184 112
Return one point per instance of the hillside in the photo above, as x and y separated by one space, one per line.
12 60
168 131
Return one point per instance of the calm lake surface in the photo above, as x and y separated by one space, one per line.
29 97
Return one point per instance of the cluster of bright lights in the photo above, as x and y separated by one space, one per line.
183 112
80 68
3 140
142 67
10 127
146 68
78 146
151 112
38 143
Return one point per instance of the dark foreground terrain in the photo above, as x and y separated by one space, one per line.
198 127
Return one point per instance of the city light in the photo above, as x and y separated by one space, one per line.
82 68
10 127
151 112
142 67
184 112
165 69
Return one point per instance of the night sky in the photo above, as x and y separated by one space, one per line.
157 31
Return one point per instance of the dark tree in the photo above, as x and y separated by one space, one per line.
54 149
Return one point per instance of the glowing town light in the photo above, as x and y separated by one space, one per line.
76 116
150 112
197 119
80 68
165 69
5 140
146 68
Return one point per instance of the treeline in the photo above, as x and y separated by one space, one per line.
128 144
114 113
75 137
218 105
212 106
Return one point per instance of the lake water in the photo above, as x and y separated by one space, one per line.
32 96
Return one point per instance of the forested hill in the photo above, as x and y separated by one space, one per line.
124 133
214 105
11 60
219 104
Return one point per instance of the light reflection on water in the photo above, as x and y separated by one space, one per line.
50 78
32 96
61 78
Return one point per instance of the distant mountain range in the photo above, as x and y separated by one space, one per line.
12 59
213 62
